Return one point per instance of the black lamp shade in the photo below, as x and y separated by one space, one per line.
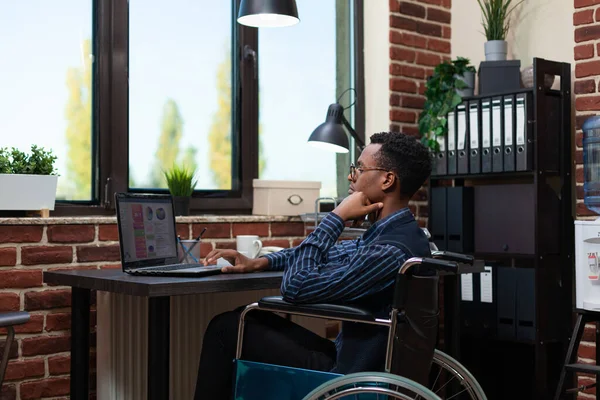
268 13
330 134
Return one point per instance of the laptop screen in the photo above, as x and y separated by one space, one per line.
147 229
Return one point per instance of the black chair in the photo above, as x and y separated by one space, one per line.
8 320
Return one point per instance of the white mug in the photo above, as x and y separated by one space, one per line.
248 245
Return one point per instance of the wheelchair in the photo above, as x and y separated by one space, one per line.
414 369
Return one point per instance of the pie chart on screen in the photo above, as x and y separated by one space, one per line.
160 213
149 213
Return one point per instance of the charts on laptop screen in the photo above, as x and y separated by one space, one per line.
147 229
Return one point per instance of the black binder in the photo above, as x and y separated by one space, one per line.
459 219
486 137
461 139
437 217
509 134
440 157
451 155
474 138
497 135
523 133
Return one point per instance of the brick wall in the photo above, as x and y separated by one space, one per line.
40 363
586 20
419 40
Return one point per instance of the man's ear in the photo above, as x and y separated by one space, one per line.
390 181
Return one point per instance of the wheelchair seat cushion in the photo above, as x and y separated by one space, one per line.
323 310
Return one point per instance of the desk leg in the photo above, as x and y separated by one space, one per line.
158 347
80 343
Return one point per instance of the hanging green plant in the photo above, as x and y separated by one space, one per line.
441 97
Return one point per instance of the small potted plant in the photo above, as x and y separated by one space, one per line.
27 180
181 184
444 90
496 22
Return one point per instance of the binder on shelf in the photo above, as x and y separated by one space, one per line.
437 217
523 134
459 218
525 317
486 137
440 157
507 303
461 139
451 157
474 149
497 134
509 134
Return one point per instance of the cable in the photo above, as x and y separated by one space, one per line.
346 91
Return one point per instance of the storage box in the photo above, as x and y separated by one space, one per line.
499 76
284 197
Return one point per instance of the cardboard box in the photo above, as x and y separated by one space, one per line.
284 197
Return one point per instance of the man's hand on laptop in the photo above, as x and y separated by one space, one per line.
239 262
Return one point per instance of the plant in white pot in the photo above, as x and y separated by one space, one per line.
496 22
27 181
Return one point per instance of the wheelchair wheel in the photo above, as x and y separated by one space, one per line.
373 383
451 380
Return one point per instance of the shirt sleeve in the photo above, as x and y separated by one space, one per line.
312 275
337 253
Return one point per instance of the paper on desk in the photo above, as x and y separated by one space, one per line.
221 262
486 286
466 284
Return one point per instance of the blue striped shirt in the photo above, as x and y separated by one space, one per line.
319 270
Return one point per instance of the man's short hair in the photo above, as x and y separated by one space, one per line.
406 156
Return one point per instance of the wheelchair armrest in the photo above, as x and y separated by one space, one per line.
13 318
450 256
330 311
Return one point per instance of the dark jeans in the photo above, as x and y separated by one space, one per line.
268 338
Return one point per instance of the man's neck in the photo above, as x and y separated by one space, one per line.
390 207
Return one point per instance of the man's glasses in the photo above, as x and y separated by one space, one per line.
354 168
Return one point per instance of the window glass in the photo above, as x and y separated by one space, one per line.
46 80
180 91
297 72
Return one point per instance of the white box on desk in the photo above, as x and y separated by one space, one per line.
284 197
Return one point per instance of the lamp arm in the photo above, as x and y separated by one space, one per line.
359 142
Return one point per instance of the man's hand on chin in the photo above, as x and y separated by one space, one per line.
355 206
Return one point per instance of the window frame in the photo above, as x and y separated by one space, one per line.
110 143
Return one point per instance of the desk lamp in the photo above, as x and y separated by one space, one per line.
268 13
330 135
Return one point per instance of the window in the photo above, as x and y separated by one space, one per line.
47 86
167 84
302 70
180 91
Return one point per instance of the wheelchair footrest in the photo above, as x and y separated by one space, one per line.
254 380
333 311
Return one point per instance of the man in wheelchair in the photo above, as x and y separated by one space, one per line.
360 272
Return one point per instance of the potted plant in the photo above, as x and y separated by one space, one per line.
444 90
27 181
181 184
496 22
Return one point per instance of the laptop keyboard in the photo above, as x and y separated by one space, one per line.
176 266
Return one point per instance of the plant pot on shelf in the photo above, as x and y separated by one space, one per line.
27 192
495 50
469 79
181 205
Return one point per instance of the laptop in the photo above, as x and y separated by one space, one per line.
148 238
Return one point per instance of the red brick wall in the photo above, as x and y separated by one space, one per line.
586 20
419 40
40 363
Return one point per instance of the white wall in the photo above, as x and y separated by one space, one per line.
540 28
377 61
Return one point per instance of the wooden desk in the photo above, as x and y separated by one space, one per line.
158 290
